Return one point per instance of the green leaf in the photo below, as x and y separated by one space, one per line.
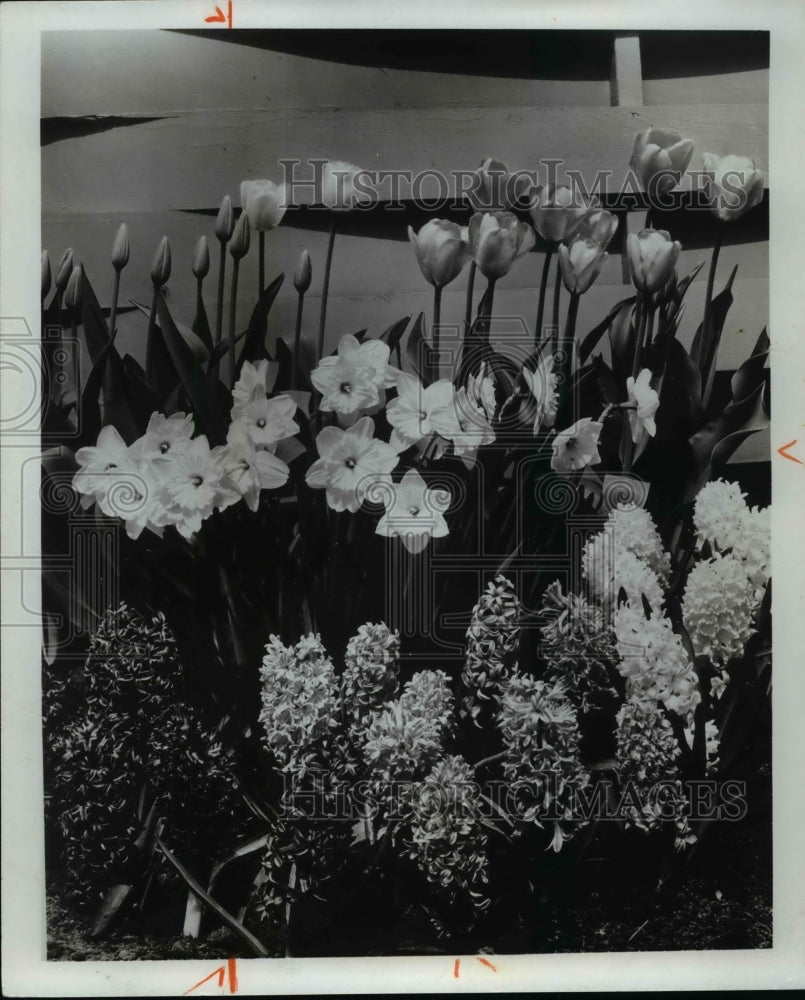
752 372
704 349
201 325
615 313
393 334
243 849
191 376
112 903
418 351
220 350
255 348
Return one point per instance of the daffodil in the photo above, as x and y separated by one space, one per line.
645 405
542 384
465 424
195 486
354 379
414 512
268 420
349 462
98 465
256 380
164 437
577 446
481 391
247 469
411 413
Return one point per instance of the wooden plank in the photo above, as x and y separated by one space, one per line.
627 73
750 86
193 159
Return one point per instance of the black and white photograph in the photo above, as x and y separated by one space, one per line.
399 457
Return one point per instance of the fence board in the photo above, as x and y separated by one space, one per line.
191 160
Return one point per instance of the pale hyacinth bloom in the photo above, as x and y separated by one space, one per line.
465 424
653 660
610 567
248 469
719 608
633 529
268 420
349 462
542 385
722 517
481 391
411 413
414 513
576 447
255 381
355 378
193 487
646 402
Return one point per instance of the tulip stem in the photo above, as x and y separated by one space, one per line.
557 291
437 319
570 334
543 286
113 312
470 290
261 263
150 359
644 305
326 288
297 337
219 315
706 348
232 307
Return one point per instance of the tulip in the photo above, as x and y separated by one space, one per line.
497 240
72 293
201 259
46 275
64 270
733 185
303 274
338 185
652 256
488 194
161 264
120 248
598 225
581 263
241 237
659 158
225 220
440 251
264 203
238 247
556 212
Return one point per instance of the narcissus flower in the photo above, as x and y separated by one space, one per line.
440 251
557 212
542 384
194 486
659 158
411 413
581 263
497 240
338 189
414 513
481 391
577 446
349 462
646 403
268 420
733 185
255 381
164 438
353 379
98 465
264 203
652 256
465 424
246 468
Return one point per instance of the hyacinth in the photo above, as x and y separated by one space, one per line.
111 727
722 517
300 701
578 648
654 661
540 733
447 840
712 739
371 674
632 529
647 754
493 639
609 567
718 608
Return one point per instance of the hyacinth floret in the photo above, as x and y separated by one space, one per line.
371 674
492 642
610 567
719 608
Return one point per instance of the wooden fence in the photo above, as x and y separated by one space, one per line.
152 128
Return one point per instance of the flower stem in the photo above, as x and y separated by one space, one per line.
557 291
297 337
437 319
261 263
219 314
326 288
470 290
543 285
113 313
640 325
705 363
232 307
150 360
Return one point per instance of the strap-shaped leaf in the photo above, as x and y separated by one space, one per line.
590 342
704 349
255 347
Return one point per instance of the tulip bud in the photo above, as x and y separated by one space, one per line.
64 270
72 293
120 250
652 256
264 203
488 194
556 212
581 263
659 158
225 222
46 276
241 237
497 240
440 250
733 185
201 259
598 225
304 273
161 264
